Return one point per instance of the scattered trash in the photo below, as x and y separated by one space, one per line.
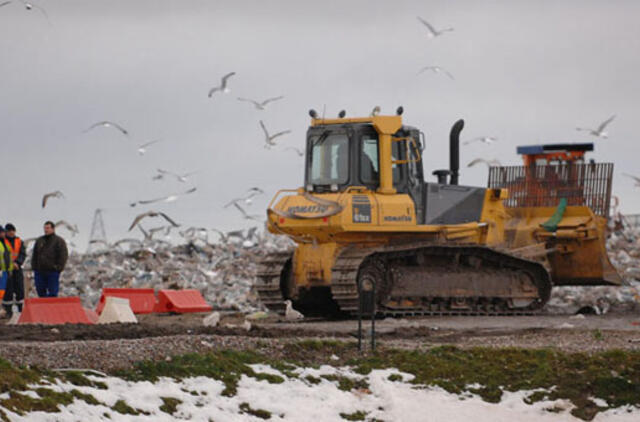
224 273
211 320
257 316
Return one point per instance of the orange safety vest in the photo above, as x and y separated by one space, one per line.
15 251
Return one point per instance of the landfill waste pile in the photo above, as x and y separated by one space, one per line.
224 271
623 247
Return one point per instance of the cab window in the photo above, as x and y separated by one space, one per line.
369 160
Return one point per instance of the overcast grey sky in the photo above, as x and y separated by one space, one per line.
526 72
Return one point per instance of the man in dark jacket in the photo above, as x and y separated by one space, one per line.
14 293
48 260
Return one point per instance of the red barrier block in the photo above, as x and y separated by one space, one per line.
142 301
181 301
53 310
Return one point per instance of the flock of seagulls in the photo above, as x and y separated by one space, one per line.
270 140
245 200
432 32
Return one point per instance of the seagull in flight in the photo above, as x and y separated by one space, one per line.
107 123
436 69
635 178
247 197
244 213
142 216
484 139
223 85
142 149
296 150
47 196
166 199
269 138
182 178
72 228
260 105
29 6
599 132
489 163
432 31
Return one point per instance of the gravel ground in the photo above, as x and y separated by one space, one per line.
106 355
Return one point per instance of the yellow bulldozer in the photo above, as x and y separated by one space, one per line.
367 223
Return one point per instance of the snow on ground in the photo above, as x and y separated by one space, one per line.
297 399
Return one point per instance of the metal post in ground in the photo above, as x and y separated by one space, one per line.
368 287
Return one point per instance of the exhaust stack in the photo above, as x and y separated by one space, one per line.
454 151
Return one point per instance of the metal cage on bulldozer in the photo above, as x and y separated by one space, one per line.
581 184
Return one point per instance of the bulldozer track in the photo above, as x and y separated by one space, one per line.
344 286
268 284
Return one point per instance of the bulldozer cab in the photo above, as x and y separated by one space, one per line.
340 156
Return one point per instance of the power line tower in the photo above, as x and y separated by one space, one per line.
98 237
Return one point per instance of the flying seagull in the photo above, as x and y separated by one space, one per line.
72 228
29 6
169 198
635 178
489 163
260 105
47 196
107 123
297 151
599 132
244 213
484 139
432 31
183 178
436 69
268 139
247 197
142 149
142 216
223 85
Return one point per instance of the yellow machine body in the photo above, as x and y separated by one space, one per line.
339 228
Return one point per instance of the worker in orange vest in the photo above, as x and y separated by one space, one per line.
14 293
5 257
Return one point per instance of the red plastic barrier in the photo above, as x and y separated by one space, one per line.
181 301
53 310
142 301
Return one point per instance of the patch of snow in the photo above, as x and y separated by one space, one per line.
298 400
